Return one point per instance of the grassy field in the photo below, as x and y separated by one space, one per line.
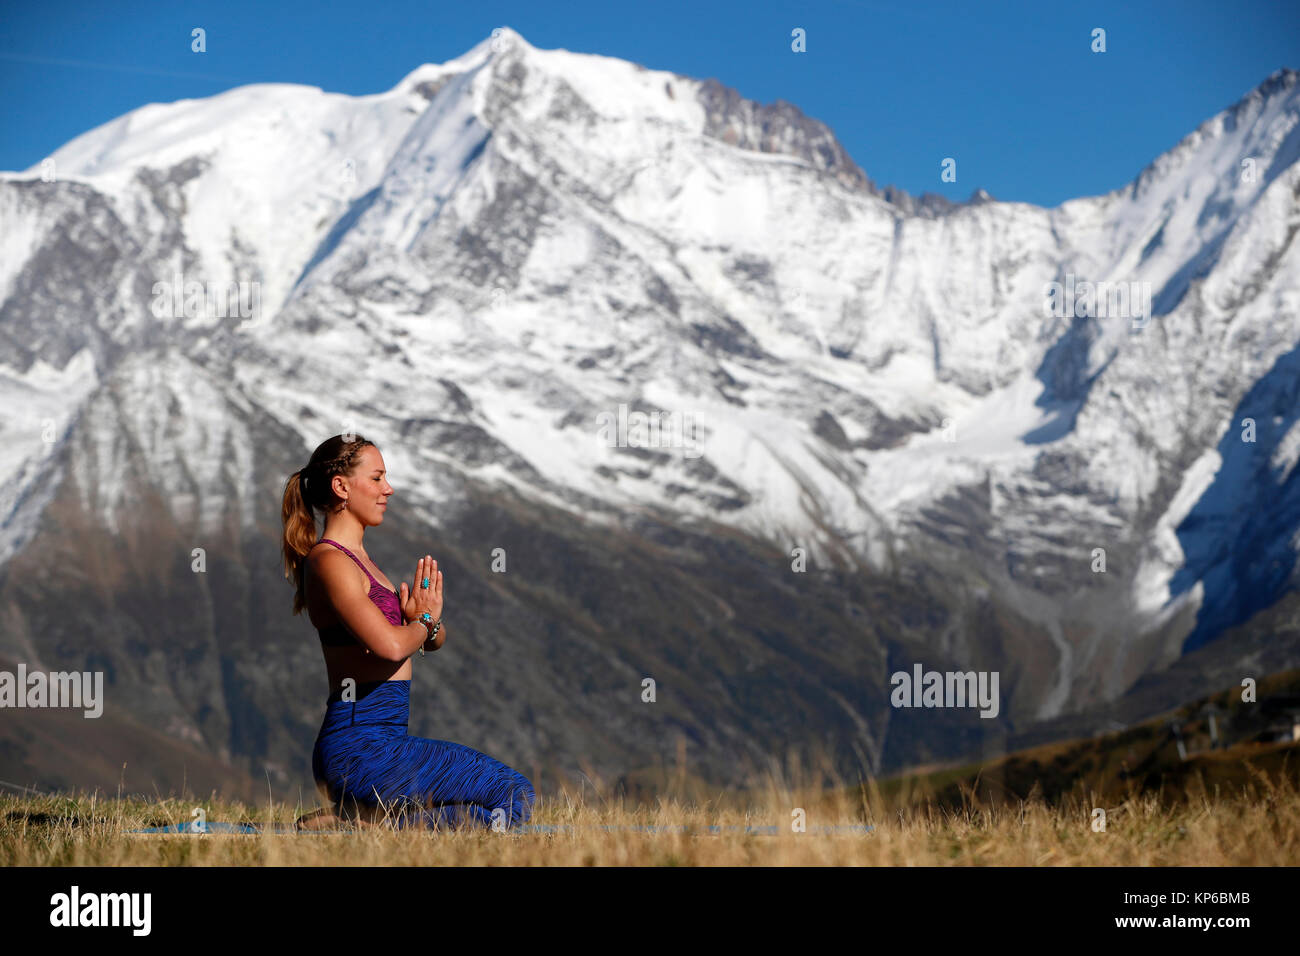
1257 825
1234 804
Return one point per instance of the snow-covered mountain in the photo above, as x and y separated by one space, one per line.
489 267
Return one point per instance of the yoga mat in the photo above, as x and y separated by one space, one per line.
196 829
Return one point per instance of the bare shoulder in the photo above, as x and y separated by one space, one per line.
326 561
319 548
332 566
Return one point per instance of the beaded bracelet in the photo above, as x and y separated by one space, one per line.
432 631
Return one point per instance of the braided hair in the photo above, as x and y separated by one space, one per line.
309 490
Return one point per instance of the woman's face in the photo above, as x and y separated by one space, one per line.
368 489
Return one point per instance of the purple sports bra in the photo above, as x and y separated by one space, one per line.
384 599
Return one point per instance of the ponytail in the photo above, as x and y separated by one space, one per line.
308 491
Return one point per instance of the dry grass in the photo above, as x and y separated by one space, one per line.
1259 825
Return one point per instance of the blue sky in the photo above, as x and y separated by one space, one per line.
1010 89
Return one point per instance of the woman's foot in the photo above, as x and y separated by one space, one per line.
327 818
322 819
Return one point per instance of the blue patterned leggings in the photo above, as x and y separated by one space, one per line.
365 755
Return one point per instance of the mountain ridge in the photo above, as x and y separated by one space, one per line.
517 242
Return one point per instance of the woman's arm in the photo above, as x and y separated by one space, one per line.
337 574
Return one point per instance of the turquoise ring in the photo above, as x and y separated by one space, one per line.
424 583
